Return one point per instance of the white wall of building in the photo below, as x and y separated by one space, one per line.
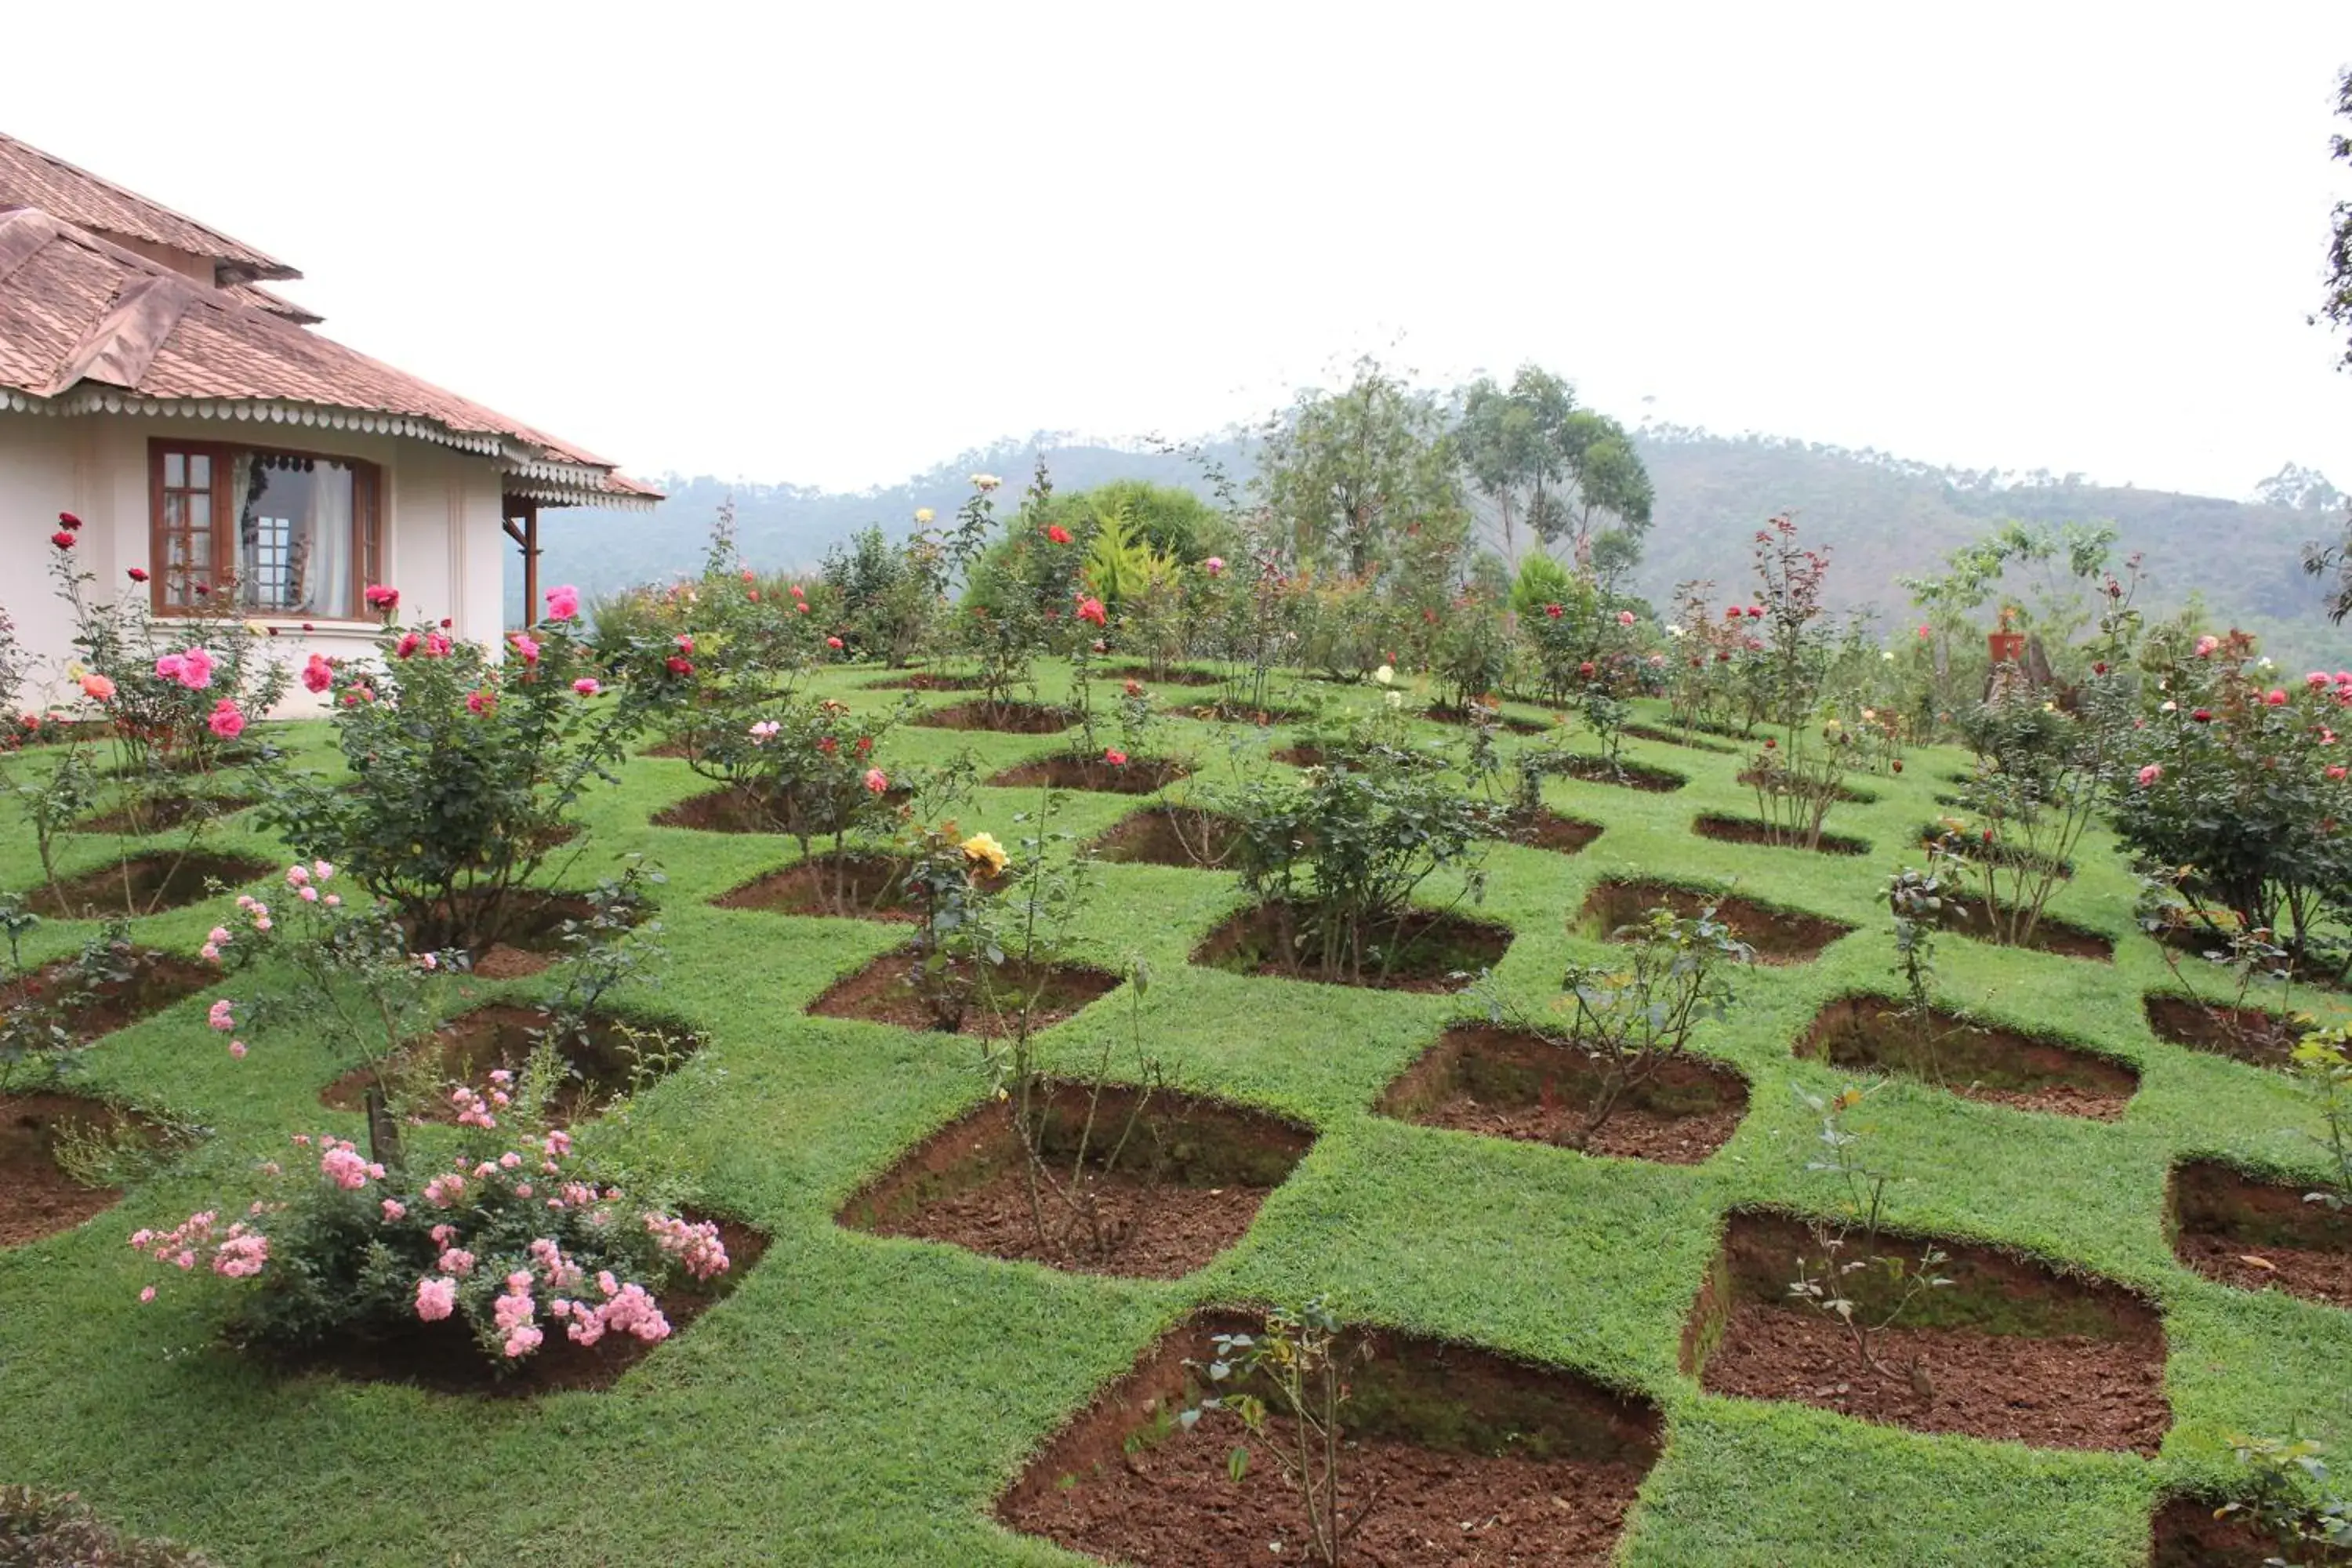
444 548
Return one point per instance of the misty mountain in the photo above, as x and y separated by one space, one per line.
1883 517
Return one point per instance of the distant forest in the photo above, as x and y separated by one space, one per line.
1885 519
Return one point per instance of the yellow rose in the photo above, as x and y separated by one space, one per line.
923 515
983 850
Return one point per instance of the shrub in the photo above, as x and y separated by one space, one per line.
341 1248
2240 774
470 770
808 765
41 1530
888 606
1340 851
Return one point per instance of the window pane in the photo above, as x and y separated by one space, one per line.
200 470
294 533
176 469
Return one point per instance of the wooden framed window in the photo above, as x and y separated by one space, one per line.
267 533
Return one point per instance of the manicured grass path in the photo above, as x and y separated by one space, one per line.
861 1400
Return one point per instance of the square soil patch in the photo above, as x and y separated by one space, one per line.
1171 836
1779 936
446 1357
1169 676
1224 711
1965 915
841 886
2011 1350
1994 852
1749 830
1543 829
1426 951
36 1197
162 813
1678 738
1446 713
884 993
143 885
133 984
1449 1455
2187 1533
600 1064
1975 1060
2249 1035
1166 1181
1540 1088
1003 718
2260 1234
925 680
1136 776
1627 776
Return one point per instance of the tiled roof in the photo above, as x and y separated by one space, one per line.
32 178
88 326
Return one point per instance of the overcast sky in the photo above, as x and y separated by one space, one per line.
834 247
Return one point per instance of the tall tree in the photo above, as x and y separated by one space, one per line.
2335 560
1568 472
1345 475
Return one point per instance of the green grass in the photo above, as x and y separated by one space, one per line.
861 1400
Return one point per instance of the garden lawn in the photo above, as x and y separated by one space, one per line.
861 1400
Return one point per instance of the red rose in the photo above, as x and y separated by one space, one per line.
2203 715
1057 534
680 666
62 540
832 642
1554 611
1091 609
1585 669
69 523
138 575
827 744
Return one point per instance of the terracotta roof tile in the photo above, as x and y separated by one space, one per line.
78 313
32 178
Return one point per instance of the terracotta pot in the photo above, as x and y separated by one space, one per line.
2007 648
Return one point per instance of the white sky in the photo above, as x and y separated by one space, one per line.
834 247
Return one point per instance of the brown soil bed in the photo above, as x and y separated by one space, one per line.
1431 953
530 935
2259 1234
2010 1351
1165 677
1543 829
924 681
1678 738
1972 1059
731 809
847 886
884 993
36 1198
1303 755
1138 776
1749 830
1628 775
1003 718
162 813
1779 936
1513 1083
1186 1182
2249 1034
143 885
1967 916
598 1067
446 1357
148 981
1445 713
1995 852
1222 712
678 746
1468 1458
1171 836
2186 1534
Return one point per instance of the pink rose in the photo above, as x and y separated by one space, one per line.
227 720
563 602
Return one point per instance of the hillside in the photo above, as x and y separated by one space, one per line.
1885 517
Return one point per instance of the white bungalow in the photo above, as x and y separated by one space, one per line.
206 436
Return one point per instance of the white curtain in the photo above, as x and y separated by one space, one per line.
240 495
325 549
